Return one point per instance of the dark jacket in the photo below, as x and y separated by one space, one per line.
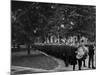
91 50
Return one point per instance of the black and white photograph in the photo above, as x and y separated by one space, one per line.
52 37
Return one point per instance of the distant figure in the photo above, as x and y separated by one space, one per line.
91 56
82 53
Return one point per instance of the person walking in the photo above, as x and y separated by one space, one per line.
82 52
86 51
91 57
73 60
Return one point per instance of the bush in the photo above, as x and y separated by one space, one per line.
63 52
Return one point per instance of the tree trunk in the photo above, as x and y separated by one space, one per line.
28 49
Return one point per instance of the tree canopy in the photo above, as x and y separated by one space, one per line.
32 19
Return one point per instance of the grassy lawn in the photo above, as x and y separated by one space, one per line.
34 61
40 61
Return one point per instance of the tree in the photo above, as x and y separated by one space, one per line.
44 19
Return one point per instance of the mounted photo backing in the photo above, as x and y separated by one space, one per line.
52 37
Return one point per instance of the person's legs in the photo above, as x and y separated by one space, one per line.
79 64
89 62
84 63
93 62
73 67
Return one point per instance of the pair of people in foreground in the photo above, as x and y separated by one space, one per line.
80 55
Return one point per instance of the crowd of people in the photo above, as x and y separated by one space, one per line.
81 53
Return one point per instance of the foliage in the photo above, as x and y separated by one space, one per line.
46 19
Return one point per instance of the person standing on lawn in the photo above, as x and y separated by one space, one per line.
91 56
